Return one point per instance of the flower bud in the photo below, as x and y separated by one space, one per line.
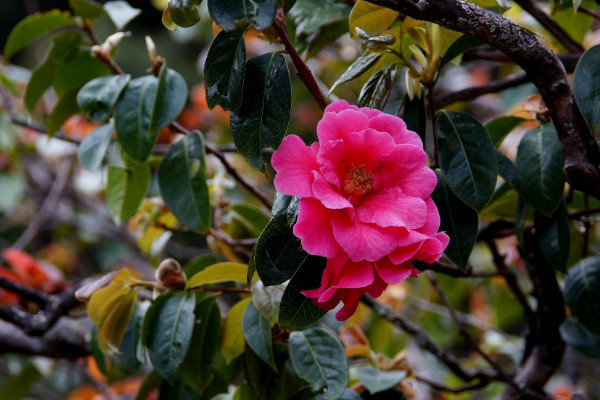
170 275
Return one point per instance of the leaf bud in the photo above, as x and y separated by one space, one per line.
170 275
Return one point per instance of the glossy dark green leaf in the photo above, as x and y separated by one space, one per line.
170 334
235 14
327 34
580 338
358 67
182 182
147 105
224 71
499 127
265 111
88 9
253 218
586 87
459 46
125 189
196 370
98 97
131 351
508 172
296 310
467 157
376 91
278 253
286 5
376 380
415 115
184 12
150 383
459 221
582 292
553 237
35 26
540 164
62 47
177 390
319 358
93 147
257 332
121 13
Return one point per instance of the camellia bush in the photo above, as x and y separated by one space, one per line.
371 199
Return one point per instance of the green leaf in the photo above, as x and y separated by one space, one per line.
77 71
131 350
184 12
224 71
499 127
376 91
580 338
582 292
278 252
319 358
64 108
121 13
88 9
265 111
376 380
177 390
540 164
251 219
232 338
267 300
182 182
371 18
62 47
553 237
218 273
459 46
35 26
93 147
147 105
286 4
125 189
296 310
150 383
509 173
98 97
235 14
196 370
586 87
467 157
257 332
459 221
358 67
327 34
171 333
17 387
415 115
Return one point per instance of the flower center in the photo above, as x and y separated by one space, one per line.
358 181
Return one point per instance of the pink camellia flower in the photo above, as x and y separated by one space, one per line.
365 202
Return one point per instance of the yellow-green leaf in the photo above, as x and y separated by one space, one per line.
102 301
220 272
371 18
232 336
112 330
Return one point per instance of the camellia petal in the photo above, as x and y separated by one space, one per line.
328 195
406 167
392 273
396 128
393 208
294 163
363 241
336 126
313 227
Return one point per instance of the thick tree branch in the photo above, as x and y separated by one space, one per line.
582 156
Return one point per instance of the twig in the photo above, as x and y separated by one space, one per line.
214 150
587 11
584 213
474 92
454 271
224 238
460 389
460 325
27 293
569 60
302 69
547 22
49 205
511 280
425 343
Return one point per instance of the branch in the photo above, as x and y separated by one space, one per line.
582 155
302 69
453 270
27 293
548 23
474 92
